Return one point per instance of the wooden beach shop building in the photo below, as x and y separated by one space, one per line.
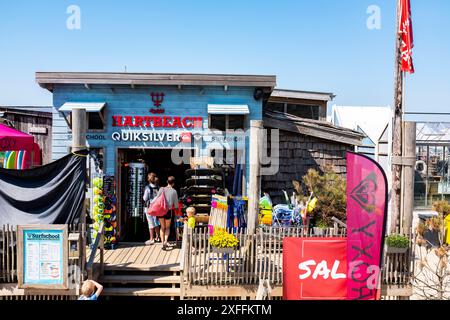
145 117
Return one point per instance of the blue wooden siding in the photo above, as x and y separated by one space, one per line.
123 100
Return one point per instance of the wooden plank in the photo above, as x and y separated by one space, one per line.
108 253
124 279
146 292
159 255
49 78
122 254
112 257
14 254
143 255
136 253
9 254
3 253
229 291
131 251
143 267
12 289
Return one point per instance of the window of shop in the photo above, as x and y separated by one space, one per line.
227 122
227 117
95 114
299 110
95 121
303 111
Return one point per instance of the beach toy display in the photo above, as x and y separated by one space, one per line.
104 209
110 211
265 211
218 216
98 207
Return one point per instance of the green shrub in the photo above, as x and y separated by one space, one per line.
321 224
397 241
330 190
442 207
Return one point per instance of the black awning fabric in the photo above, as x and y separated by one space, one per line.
51 194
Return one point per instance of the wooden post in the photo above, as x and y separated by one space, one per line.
254 193
78 129
409 151
79 143
397 134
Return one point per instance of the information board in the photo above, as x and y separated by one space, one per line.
42 256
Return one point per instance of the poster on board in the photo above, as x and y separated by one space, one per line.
42 256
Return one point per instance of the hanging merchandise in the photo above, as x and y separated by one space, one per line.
110 212
237 219
282 215
98 207
136 182
307 209
265 210
237 182
218 215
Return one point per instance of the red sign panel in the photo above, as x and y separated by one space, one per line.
315 268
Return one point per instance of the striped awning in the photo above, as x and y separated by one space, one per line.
88 106
228 109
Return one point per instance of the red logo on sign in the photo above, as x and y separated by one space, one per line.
157 99
186 137
315 269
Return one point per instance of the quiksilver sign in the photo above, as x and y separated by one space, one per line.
146 136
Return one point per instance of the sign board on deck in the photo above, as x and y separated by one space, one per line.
42 256
315 268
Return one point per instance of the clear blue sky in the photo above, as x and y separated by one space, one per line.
317 45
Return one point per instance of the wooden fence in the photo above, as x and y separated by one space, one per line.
8 254
260 256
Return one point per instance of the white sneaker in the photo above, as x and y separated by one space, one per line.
149 242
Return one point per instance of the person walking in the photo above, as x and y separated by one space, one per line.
171 196
151 189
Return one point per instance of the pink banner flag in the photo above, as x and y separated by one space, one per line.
366 217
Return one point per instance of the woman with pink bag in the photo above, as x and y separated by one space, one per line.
171 196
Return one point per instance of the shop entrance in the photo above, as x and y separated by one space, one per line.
133 166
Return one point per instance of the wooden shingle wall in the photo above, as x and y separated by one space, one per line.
298 153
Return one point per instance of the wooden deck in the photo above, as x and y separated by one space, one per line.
139 257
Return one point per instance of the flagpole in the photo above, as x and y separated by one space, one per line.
397 132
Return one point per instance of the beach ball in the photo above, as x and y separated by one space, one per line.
98 182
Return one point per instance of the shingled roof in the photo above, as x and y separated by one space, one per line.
314 128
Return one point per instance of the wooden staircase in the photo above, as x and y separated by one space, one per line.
162 282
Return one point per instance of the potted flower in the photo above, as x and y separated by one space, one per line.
396 243
223 242
319 229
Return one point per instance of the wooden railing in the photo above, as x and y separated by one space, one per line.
97 245
8 254
260 256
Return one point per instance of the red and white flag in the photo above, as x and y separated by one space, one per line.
406 34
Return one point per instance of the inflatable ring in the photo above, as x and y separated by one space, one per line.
421 167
